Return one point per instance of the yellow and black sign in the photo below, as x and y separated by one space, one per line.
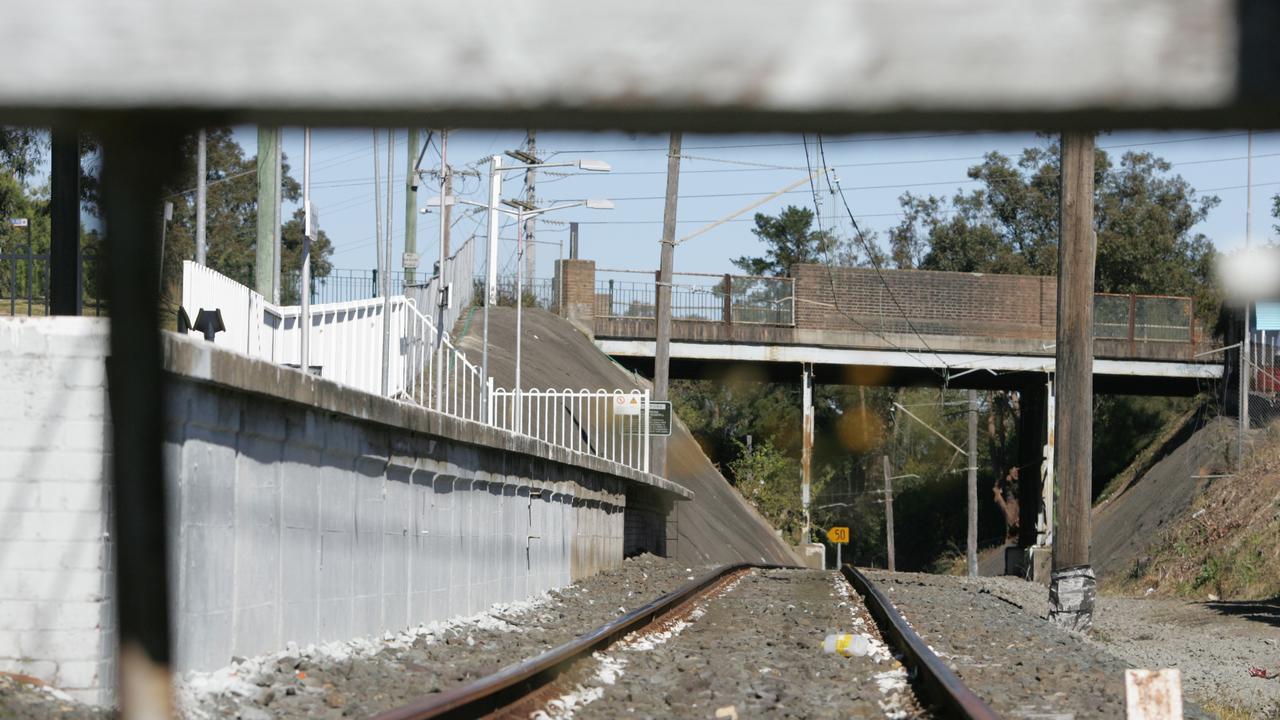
838 535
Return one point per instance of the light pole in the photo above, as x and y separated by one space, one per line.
521 212
496 168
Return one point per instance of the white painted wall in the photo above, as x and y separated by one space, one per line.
287 523
56 617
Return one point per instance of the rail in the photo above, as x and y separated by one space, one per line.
515 683
736 299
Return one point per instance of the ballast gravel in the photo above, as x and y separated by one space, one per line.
1015 660
361 678
753 651
1213 643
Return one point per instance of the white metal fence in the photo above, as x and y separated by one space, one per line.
424 367
609 424
457 274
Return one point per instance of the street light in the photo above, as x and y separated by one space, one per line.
496 168
521 211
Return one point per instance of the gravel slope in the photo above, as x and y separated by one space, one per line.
717 526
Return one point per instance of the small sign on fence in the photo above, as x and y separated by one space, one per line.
18 222
627 404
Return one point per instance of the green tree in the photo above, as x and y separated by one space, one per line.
789 240
770 481
231 217
1145 218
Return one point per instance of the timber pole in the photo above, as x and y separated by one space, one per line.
264 256
662 354
1072 587
410 258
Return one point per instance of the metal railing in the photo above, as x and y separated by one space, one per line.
738 299
25 282
458 278
1143 318
609 424
424 367
341 286
537 292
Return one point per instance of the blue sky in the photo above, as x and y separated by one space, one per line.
722 174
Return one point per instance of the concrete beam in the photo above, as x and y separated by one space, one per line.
956 362
577 63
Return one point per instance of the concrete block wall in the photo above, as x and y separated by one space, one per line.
56 616
300 510
943 303
299 525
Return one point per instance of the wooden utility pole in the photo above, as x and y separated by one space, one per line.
662 294
972 541
1072 587
888 515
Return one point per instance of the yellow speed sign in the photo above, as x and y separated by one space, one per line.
838 535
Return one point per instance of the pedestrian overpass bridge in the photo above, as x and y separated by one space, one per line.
888 327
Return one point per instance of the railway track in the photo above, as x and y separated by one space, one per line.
525 687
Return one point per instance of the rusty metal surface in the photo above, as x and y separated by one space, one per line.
933 678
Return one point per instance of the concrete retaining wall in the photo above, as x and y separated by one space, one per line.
300 510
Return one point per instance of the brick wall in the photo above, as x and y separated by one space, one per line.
943 303
56 616
579 278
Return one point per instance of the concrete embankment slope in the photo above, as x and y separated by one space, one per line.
717 525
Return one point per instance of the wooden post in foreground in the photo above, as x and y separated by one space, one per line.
1072 586
888 515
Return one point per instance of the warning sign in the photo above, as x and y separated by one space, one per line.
627 404
838 535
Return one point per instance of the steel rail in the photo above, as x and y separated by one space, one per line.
514 682
935 680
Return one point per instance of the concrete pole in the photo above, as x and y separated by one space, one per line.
64 210
806 452
531 196
411 209
386 264
491 266
377 251
268 180
445 185
972 541
519 404
202 185
1072 587
888 515
662 294
308 229
1242 425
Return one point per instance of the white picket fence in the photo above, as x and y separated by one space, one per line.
425 367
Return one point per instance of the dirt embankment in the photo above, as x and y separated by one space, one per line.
1193 527
718 525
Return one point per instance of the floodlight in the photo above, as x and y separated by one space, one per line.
599 204
594 165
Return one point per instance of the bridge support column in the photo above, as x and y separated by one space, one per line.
1035 481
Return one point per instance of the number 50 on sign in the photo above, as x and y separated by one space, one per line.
838 535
